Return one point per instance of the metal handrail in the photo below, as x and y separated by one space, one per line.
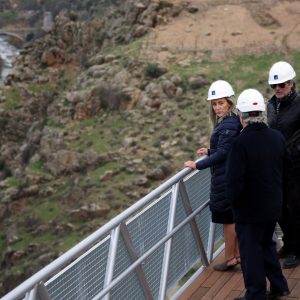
85 244
150 251
34 285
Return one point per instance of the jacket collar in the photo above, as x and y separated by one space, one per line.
285 100
254 126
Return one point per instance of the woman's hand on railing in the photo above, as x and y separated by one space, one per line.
190 164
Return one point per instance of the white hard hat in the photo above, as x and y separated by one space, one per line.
281 72
251 100
220 89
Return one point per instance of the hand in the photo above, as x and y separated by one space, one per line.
190 164
202 151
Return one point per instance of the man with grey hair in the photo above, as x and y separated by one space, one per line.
254 177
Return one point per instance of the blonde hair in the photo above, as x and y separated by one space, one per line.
213 117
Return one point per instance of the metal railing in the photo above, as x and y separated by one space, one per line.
143 253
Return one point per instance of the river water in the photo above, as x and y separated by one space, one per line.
8 54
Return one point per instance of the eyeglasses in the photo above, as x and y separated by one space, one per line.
281 85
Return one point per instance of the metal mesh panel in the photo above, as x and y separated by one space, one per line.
145 230
219 234
84 278
203 221
153 268
184 254
129 287
198 188
150 226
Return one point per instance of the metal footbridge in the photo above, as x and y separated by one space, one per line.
153 250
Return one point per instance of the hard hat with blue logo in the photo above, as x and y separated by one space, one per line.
281 72
220 89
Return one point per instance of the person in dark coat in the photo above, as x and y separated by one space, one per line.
284 115
254 179
226 128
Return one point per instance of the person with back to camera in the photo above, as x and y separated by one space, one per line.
254 178
226 128
283 111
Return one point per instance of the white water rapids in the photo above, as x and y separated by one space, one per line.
7 54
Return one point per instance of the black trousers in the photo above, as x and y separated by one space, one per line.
259 260
291 218
286 225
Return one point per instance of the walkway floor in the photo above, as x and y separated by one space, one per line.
213 285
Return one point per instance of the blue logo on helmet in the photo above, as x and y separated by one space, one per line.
213 93
275 77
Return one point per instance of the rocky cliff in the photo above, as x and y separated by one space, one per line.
106 106
87 128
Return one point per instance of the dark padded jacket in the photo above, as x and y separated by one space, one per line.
255 171
287 121
220 142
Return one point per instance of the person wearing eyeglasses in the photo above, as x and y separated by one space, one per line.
283 112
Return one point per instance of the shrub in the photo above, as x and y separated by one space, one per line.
154 70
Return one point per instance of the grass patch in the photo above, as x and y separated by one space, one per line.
98 140
71 239
195 69
46 211
36 166
2 242
54 123
14 182
41 88
13 99
93 177
126 52
22 243
7 17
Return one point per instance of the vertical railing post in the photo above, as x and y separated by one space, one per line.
194 227
211 241
168 244
42 292
32 294
111 259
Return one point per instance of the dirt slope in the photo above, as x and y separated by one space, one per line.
218 28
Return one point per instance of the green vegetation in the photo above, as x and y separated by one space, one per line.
69 241
7 17
24 239
13 98
36 166
105 133
46 211
2 242
243 71
98 137
165 4
54 123
126 52
14 182
40 88
153 70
